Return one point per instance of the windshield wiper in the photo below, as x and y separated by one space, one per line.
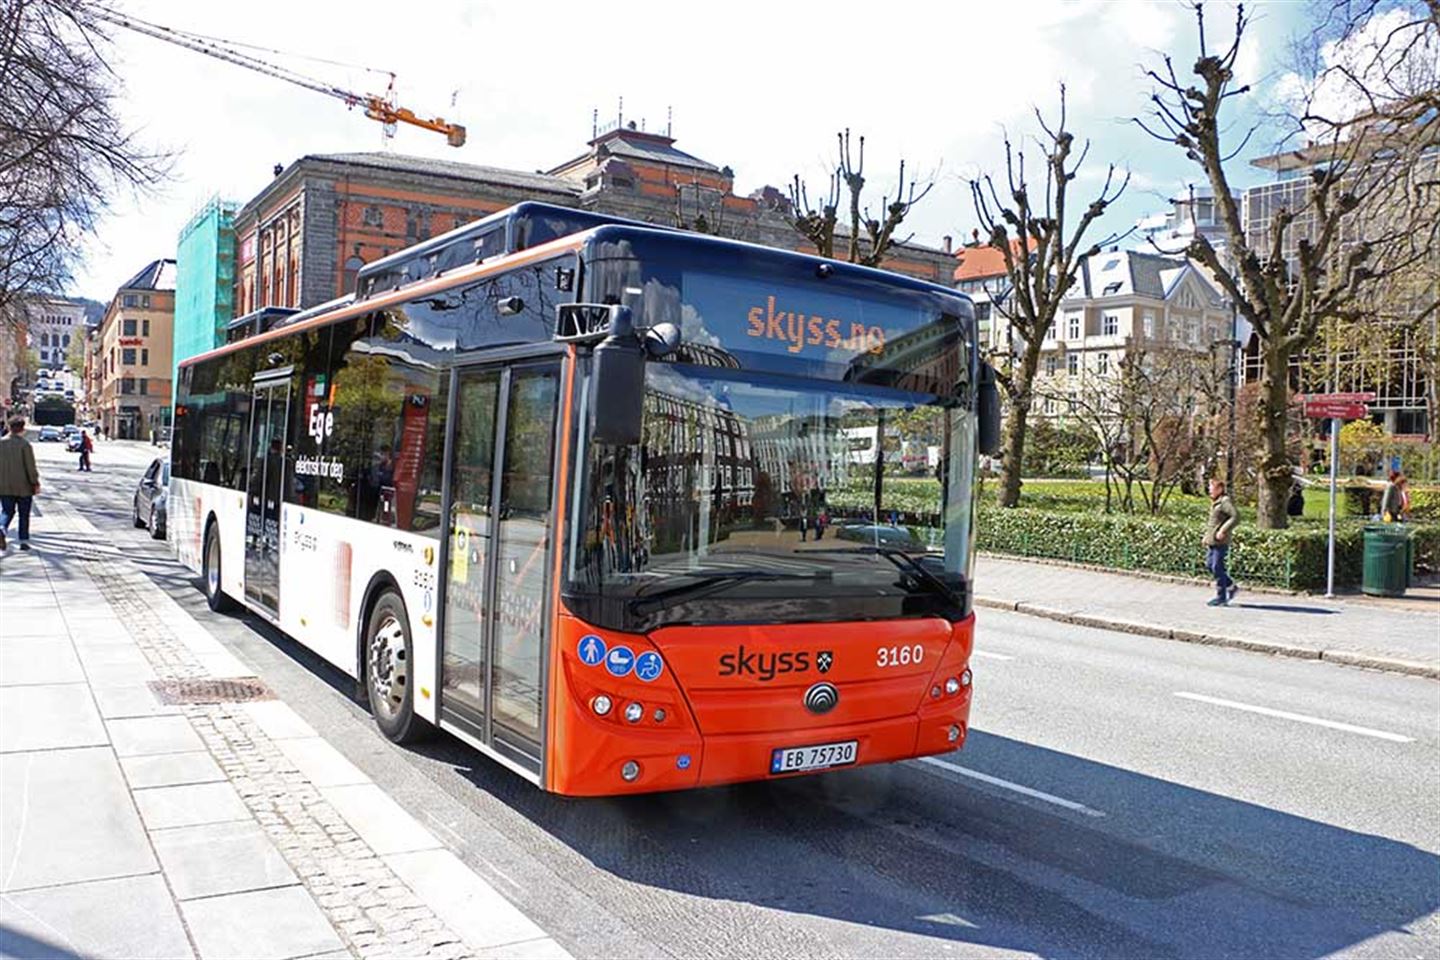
904 561
705 585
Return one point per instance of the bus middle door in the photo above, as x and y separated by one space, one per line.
269 415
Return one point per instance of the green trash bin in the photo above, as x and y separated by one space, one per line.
1388 552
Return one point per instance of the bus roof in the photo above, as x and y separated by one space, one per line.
348 306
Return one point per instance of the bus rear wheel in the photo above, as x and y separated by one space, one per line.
215 597
389 679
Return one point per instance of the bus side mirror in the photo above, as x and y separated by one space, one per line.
617 383
988 410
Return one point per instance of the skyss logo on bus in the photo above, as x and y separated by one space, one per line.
767 666
797 331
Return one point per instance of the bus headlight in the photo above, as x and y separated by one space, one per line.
633 712
630 771
952 686
965 678
601 705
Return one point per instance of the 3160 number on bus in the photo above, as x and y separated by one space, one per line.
899 656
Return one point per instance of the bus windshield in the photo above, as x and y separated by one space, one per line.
749 499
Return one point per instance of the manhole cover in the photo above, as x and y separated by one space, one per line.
238 690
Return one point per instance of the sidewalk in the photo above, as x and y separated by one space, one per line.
157 801
1401 636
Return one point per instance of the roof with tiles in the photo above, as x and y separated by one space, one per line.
981 261
452 169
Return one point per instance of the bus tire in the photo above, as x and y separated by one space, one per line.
215 597
388 674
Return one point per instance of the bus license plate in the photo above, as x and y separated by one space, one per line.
818 757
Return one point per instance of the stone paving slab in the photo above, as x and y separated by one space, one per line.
126 918
138 736
259 925
67 817
217 858
171 769
49 717
30 660
189 805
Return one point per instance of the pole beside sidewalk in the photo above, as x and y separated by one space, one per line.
1334 467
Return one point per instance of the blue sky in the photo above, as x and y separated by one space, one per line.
759 87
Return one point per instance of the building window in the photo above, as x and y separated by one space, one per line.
1049 404
1051 365
1072 363
1192 334
145 357
144 384
145 327
67 340
352 268
127 385
129 300
1111 289
127 328
1149 322
982 311
145 300
1102 363
1110 324
44 339
127 357
1073 323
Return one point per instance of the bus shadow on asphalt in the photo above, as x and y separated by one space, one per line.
1169 871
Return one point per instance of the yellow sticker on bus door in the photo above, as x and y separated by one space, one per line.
460 555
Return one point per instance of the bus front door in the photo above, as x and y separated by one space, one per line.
496 598
269 413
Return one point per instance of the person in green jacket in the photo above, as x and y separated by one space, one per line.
19 481
1223 518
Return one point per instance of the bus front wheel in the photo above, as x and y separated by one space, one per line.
217 599
389 679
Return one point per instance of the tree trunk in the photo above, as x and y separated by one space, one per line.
1012 462
1275 473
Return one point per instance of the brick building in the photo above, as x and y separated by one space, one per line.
134 351
301 240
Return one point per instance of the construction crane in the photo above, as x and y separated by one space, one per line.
381 108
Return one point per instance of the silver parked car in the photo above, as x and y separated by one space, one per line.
150 498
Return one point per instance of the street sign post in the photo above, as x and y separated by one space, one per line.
1337 408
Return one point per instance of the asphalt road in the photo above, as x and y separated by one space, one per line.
1119 796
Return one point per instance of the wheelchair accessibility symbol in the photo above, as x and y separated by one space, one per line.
648 666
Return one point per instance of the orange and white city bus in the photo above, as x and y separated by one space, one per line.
588 501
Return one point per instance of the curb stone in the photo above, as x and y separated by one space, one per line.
1274 648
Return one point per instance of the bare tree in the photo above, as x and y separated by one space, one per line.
1323 242
63 149
1154 418
1042 249
868 239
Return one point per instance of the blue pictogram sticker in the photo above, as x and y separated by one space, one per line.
591 649
648 666
776 760
619 661
683 761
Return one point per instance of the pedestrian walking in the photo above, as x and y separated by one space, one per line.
822 520
87 447
1395 501
19 481
1223 518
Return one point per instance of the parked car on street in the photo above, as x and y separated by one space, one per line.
50 434
150 497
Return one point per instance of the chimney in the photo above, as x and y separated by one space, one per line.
278 169
947 241
975 236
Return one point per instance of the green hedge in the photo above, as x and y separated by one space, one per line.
1293 558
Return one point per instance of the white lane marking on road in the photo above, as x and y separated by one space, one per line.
1298 717
949 919
1016 787
990 655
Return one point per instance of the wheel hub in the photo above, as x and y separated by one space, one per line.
388 665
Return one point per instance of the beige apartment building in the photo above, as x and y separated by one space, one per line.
136 339
1123 300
